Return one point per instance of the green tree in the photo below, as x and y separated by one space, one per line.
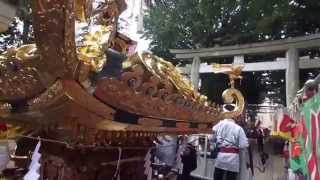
208 23
15 35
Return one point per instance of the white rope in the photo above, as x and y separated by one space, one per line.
117 173
98 147
84 146
62 173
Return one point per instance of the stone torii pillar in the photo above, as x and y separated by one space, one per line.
292 74
195 67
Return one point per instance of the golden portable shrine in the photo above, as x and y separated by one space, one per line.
78 86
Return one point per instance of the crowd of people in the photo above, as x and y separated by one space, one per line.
228 138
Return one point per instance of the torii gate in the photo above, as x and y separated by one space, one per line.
291 63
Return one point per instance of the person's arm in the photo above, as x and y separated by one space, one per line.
243 140
214 132
215 127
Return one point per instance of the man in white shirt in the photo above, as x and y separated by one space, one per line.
230 138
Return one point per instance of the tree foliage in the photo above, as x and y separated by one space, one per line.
208 23
20 30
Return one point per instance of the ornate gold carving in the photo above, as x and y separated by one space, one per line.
166 71
10 132
231 95
19 75
153 87
95 25
46 97
27 52
5 109
55 84
92 48
233 71
54 30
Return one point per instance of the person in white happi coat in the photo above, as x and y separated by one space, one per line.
230 138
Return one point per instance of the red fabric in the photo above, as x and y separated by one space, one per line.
308 94
286 154
286 151
286 123
296 150
296 130
229 150
313 163
3 127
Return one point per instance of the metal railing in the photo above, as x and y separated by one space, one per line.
205 164
205 169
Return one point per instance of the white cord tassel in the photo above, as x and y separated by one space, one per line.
117 173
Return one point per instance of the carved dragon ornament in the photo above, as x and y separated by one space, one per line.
64 78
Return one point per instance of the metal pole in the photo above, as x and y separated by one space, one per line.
205 155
